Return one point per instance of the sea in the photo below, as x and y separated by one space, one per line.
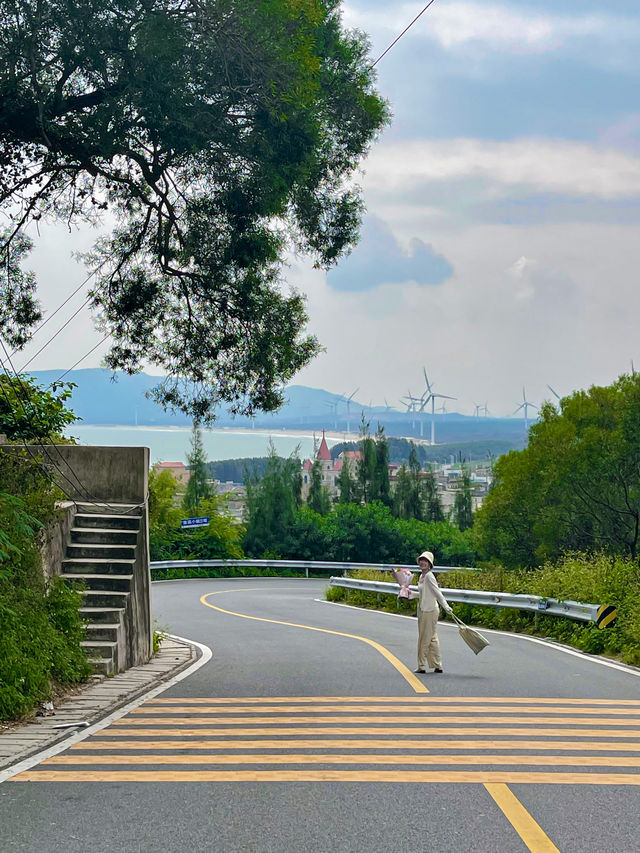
172 444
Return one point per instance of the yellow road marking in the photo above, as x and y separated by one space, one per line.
370 718
395 776
377 709
115 731
426 700
404 671
536 840
366 758
322 743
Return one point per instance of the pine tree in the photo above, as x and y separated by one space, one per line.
463 505
431 499
366 467
271 505
382 487
415 503
318 498
346 482
198 488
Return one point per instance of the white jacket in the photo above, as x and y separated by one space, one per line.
430 595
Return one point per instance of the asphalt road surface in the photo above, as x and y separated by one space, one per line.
322 740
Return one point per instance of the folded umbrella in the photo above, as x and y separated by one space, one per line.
472 638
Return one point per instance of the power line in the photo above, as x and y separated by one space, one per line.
86 355
406 29
54 336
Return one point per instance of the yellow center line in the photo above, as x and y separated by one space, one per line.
347 717
393 776
327 743
534 837
366 758
404 671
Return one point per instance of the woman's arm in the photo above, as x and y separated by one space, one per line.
442 601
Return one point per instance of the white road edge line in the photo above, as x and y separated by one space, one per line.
57 748
556 647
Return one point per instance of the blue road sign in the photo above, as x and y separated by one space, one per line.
195 522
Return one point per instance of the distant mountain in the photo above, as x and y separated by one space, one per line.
102 397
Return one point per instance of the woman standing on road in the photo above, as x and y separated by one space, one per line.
428 612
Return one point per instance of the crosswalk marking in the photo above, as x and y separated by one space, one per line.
396 731
360 739
379 718
371 709
397 776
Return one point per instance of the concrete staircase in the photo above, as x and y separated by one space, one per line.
101 555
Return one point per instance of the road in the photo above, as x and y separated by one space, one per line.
324 740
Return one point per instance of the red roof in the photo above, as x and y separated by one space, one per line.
307 465
337 465
169 465
323 452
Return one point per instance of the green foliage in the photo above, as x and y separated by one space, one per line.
370 534
198 488
271 505
575 487
216 134
346 482
463 503
41 628
31 413
318 498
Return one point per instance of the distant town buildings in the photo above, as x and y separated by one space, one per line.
178 471
330 468
448 477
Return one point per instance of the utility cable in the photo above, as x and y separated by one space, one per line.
54 336
86 355
406 29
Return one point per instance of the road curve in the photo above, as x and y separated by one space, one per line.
308 730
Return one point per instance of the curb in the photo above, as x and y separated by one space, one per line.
48 737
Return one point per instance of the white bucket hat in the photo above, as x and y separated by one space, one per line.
426 555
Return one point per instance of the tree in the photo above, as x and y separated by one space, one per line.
271 505
198 488
318 498
366 464
431 498
381 490
463 503
216 134
575 487
31 413
346 482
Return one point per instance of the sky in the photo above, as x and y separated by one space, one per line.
501 243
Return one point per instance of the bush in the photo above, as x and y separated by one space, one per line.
41 627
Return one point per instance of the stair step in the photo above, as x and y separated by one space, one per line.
100 648
101 551
97 566
102 665
101 582
102 536
104 631
102 615
108 508
106 521
100 598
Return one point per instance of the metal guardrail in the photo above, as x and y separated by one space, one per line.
313 566
551 606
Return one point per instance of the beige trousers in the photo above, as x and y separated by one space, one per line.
428 644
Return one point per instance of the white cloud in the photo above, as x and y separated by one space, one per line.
540 165
496 27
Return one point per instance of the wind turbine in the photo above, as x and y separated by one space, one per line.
555 393
348 400
411 403
334 407
478 406
430 395
525 405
